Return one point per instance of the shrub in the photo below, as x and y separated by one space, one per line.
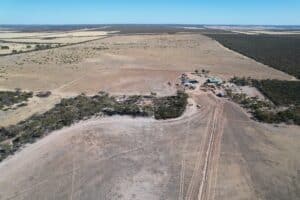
5 150
9 98
170 107
290 115
4 47
42 46
241 81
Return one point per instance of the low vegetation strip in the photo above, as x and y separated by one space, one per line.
10 98
281 93
281 52
289 116
72 110
284 95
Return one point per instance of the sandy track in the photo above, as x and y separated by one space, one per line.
204 172
209 173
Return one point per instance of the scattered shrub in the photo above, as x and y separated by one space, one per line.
170 107
289 116
9 98
5 150
241 81
42 46
4 47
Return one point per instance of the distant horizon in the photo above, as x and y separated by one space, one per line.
101 24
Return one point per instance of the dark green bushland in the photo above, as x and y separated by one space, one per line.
281 52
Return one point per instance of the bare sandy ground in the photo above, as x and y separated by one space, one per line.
214 153
166 53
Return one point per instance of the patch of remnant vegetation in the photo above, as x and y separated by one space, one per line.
42 46
170 107
4 47
241 81
100 48
284 95
289 116
82 107
10 98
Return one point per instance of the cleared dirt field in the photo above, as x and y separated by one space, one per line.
28 37
50 69
53 40
213 153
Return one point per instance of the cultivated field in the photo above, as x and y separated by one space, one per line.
12 42
213 151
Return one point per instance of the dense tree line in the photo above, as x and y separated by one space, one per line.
282 93
281 52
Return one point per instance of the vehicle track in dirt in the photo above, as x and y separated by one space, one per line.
209 173
203 180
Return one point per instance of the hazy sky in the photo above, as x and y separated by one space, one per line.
278 12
